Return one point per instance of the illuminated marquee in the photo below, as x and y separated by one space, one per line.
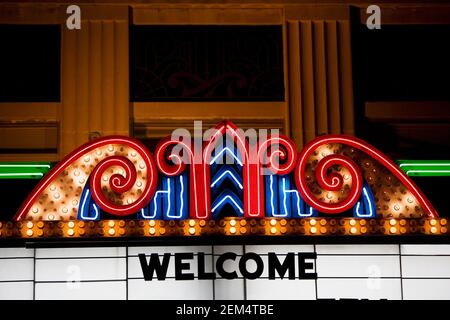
117 178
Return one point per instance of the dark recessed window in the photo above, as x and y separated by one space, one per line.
14 192
206 63
402 89
30 63
405 62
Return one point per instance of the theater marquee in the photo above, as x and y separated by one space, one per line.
113 187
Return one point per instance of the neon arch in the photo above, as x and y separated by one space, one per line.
119 176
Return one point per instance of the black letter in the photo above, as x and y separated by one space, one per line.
302 265
202 275
219 266
154 265
243 265
180 266
281 268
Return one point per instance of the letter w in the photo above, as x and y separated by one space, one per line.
154 265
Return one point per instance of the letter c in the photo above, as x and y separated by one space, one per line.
219 266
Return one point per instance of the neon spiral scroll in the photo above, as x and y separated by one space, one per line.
121 172
331 181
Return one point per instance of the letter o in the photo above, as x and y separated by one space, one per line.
243 265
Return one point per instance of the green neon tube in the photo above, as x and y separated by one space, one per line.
24 170
425 168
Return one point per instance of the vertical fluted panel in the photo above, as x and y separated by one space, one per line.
333 86
294 81
68 111
121 99
107 106
320 78
95 74
345 54
307 79
94 82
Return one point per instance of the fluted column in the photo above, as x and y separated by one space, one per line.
95 90
320 78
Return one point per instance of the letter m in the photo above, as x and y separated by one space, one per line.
153 265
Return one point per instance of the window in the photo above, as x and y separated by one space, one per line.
206 63
30 63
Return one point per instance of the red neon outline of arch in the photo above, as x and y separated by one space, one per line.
370 150
253 194
196 205
223 128
71 157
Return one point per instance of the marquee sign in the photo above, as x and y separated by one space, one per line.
114 187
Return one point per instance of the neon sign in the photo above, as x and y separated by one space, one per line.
331 175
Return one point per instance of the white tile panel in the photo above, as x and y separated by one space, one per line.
358 266
81 252
426 289
426 249
426 266
280 289
16 253
359 289
218 250
357 249
229 289
112 290
16 269
279 249
80 269
134 251
170 289
16 290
